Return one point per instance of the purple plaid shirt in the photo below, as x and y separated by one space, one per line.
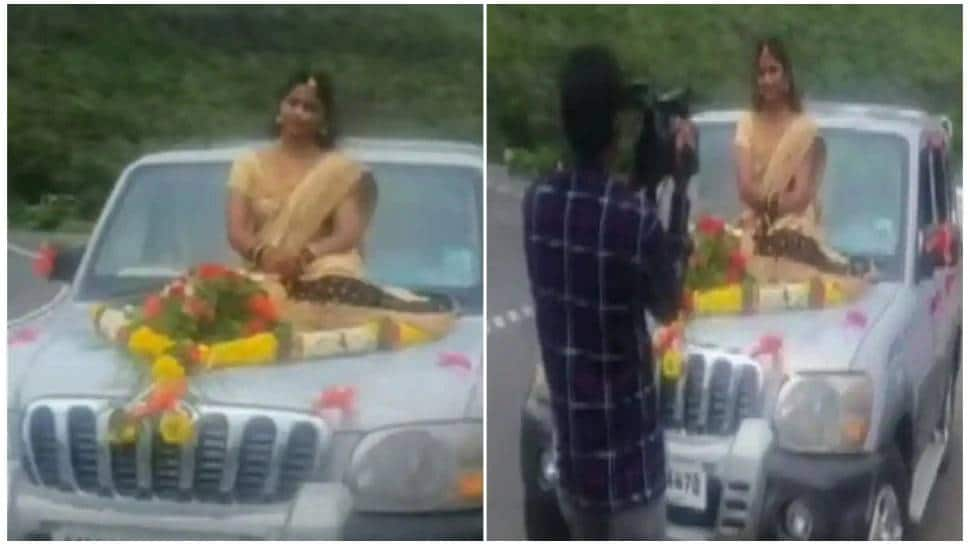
597 257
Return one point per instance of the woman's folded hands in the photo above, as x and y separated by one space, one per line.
273 260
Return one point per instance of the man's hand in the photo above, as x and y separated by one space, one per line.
685 136
685 149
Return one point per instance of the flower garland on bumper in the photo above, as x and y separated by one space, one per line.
215 318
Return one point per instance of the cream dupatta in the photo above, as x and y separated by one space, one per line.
795 146
298 221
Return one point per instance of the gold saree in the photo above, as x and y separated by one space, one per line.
288 215
774 242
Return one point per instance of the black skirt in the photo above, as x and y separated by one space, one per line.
351 291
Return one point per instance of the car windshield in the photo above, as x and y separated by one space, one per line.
863 192
425 235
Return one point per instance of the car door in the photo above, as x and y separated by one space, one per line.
924 334
946 275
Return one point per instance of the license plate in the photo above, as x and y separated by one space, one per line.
686 485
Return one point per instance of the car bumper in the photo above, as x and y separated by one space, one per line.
320 511
751 484
837 490
461 525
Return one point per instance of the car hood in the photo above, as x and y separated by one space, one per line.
392 388
817 340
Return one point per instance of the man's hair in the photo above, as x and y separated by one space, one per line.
591 93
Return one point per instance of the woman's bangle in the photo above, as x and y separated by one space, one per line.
307 255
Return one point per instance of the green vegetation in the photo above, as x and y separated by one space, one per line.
93 88
909 55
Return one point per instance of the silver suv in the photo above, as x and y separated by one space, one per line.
262 465
850 445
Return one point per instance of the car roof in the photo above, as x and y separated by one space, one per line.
368 150
876 117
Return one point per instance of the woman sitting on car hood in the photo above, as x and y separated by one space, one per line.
298 211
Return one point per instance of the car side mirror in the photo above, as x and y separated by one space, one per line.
927 260
56 264
938 249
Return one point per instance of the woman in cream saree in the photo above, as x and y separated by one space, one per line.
780 159
298 213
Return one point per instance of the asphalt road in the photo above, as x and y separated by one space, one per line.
512 353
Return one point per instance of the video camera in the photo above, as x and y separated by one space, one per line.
654 156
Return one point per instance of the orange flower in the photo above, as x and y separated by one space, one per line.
164 397
261 306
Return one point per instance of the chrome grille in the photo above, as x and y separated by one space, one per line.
716 391
238 455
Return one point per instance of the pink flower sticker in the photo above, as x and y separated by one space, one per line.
770 345
23 336
935 304
454 359
950 281
343 398
856 318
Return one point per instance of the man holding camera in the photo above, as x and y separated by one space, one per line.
598 256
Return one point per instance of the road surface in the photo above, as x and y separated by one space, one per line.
512 352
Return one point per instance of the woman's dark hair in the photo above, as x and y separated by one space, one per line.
591 91
324 86
776 49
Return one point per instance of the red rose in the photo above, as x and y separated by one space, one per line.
198 309
733 275
738 260
255 325
177 290
711 226
153 306
261 306
44 262
209 271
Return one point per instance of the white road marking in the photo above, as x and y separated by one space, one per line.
507 189
509 317
23 252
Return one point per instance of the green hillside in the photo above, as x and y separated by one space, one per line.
907 55
92 88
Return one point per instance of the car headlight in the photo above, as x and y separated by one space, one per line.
824 413
419 468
